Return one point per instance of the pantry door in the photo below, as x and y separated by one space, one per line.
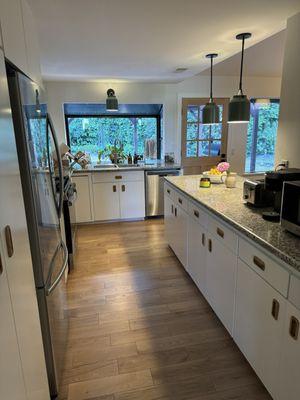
202 145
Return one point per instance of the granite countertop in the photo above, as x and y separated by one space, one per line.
139 167
229 205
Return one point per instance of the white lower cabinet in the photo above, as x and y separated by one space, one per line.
132 199
106 201
196 265
83 206
180 227
221 264
169 220
288 380
259 321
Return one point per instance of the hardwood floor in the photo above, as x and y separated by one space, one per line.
139 327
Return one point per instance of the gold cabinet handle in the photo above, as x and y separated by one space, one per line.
259 263
203 239
9 241
179 200
210 245
123 188
172 209
196 213
294 328
114 188
1 265
275 309
175 212
168 191
220 232
118 177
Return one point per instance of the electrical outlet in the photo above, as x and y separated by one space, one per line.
285 163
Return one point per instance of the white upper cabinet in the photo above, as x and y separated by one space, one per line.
13 33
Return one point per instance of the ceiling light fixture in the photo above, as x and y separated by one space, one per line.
210 113
37 102
111 101
239 106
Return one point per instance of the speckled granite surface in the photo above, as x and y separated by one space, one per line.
229 204
139 167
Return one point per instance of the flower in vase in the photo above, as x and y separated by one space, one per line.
223 167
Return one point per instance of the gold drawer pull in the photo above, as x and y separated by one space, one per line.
168 191
259 263
203 239
118 177
275 309
196 213
172 209
9 242
210 245
114 188
175 212
1 266
294 328
123 188
179 200
220 233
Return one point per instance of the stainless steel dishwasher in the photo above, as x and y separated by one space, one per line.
154 180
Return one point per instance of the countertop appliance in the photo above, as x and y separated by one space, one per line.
154 180
70 196
36 144
290 207
255 194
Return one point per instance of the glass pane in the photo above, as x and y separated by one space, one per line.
216 131
192 113
215 148
191 131
191 149
203 148
204 131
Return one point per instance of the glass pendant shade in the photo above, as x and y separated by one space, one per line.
210 112
111 101
239 106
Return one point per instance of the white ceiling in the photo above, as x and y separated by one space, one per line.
147 40
268 56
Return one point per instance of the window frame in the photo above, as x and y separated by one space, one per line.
156 116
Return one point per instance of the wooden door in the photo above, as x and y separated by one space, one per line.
132 199
106 201
202 145
259 321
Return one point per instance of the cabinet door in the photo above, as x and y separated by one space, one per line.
196 264
220 280
11 378
13 33
132 199
180 227
289 382
259 320
168 218
106 201
83 209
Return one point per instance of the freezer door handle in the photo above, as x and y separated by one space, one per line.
49 289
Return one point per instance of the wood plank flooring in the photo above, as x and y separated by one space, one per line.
139 327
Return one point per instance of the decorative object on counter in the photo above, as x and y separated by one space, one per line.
150 149
137 158
239 106
215 175
111 101
205 182
169 158
230 180
129 159
210 113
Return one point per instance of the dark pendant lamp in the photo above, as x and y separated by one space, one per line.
111 101
239 106
210 113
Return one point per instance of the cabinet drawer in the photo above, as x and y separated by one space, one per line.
224 233
265 266
180 200
294 292
169 191
198 213
118 176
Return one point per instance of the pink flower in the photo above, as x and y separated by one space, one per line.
223 166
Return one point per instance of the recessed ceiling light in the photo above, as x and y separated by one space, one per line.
180 70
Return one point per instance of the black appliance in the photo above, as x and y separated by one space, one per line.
42 185
70 196
255 194
290 207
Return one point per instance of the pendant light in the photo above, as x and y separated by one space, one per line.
210 113
111 101
37 102
239 106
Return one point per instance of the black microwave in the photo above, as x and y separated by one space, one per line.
290 207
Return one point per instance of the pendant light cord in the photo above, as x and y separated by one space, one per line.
211 77
242 64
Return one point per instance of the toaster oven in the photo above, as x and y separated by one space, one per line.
290 207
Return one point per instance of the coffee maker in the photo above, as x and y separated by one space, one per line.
274 183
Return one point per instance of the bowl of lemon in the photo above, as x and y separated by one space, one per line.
215 175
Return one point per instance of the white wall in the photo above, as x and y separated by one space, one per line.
288 141
170 96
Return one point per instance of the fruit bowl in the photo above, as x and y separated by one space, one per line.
215 178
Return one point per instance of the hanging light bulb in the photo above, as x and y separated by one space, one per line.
239 106
111 101
37 102
210 113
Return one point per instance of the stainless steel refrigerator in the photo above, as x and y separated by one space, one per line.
42 185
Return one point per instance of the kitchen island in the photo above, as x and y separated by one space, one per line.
248 269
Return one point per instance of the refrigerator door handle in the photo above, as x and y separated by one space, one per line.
49 289
59 163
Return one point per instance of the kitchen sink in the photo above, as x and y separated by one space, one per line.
105 166
128 165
